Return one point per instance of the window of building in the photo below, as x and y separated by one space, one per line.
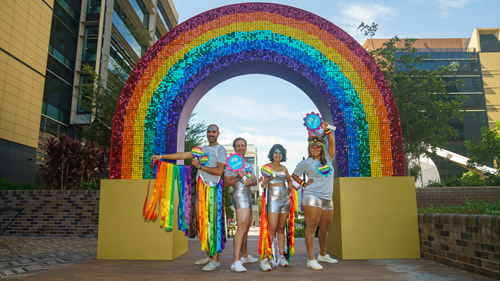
89 53
162 14
120 22
141 11
57 96
59 69
472 84
84 81
489 43
250 160
63 36
93 6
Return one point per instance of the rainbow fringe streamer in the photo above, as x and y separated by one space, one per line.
168 177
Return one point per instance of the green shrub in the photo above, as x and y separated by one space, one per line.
467 179
469 207
10 185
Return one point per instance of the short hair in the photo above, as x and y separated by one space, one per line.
238 139
280 147
213 125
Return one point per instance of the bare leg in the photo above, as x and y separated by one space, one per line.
324 225
312 216
244 243
281 232
243 218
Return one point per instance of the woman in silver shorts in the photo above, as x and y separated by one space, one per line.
278 202
317 200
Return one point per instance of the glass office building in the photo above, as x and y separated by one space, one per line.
476 61
45 45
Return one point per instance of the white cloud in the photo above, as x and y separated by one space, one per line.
352 14
448 7
249 129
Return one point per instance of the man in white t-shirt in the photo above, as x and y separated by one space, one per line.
210 174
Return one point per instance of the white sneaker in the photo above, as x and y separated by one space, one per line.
211 266
314 265
204 260
238 267
326 258
283 261
248 259
264 265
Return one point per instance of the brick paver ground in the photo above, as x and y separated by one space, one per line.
184 269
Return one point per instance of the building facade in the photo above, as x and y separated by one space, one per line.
479 68
44 45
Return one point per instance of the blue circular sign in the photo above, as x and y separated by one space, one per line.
235 162
313 122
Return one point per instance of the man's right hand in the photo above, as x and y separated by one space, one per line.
155 157
196 163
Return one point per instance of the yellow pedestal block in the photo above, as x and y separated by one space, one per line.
374 218
123 233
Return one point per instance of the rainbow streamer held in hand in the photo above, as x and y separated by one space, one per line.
266 170
197 152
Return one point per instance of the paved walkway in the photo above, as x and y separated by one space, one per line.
74 259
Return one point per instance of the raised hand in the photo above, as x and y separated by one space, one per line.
324 125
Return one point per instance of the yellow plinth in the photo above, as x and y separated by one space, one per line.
374 218
124 235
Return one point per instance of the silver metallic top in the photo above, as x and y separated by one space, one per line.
277 177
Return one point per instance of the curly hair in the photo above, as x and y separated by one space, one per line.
271 152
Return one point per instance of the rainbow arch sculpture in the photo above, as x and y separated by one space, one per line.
320 58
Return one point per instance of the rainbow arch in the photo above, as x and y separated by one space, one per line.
148 119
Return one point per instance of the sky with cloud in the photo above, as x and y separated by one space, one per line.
267 110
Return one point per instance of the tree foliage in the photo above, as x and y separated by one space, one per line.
425 108
487 150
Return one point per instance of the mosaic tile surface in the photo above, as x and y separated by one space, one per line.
368 136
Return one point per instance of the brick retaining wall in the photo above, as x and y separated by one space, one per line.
470 242
438 196
67 213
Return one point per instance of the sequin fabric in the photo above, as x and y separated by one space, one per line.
368 136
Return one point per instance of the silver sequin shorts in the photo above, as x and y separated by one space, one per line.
279 201
311 200
242 198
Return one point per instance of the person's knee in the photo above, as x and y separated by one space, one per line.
273 229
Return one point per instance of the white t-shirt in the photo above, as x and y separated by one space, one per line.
322 187
216 154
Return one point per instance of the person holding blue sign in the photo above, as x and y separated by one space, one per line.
317 200
279 185
241 176
210 193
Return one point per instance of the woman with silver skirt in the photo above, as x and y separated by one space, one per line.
278 202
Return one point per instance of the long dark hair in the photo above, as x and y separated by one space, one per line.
321 155
271 152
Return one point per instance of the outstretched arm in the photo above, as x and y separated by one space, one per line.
173 156
331 141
